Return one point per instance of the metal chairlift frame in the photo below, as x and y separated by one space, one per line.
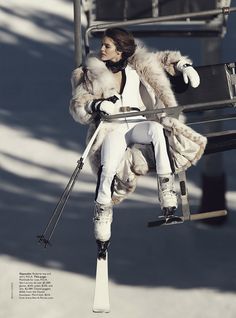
188 27
45 238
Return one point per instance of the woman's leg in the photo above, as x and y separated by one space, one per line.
113 149
152 132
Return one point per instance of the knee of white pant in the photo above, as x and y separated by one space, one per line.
155 129
108 170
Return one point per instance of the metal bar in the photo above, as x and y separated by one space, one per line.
207 215
77 33
221 133
184 195
163 18
212 119
102 26
91 141
173 110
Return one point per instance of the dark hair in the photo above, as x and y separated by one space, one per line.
124 41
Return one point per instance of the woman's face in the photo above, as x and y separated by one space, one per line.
108 51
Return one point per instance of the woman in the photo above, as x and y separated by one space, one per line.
124 75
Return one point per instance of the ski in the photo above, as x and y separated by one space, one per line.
162 220
101 302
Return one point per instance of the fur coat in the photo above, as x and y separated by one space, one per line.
95 81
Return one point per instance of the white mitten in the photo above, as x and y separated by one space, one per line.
109 108
189 73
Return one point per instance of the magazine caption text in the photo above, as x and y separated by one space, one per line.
35 285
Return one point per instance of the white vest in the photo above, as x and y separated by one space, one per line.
131 93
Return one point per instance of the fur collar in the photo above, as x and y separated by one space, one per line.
146 64
100 77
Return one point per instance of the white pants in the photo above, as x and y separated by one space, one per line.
115 144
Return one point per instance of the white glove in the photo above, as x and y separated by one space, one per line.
109 108
189 73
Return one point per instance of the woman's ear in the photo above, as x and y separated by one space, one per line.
119 53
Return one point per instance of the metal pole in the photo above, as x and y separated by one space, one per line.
176 110
155 8
77 33
213 172
45 238
167 18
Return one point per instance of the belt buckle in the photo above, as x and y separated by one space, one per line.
124 109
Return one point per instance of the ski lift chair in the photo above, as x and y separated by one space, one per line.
216 92
218 83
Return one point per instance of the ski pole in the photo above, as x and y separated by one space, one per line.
45 238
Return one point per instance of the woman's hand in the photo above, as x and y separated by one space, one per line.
189 73
108 106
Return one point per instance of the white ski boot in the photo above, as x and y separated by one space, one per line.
167 195
102 221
